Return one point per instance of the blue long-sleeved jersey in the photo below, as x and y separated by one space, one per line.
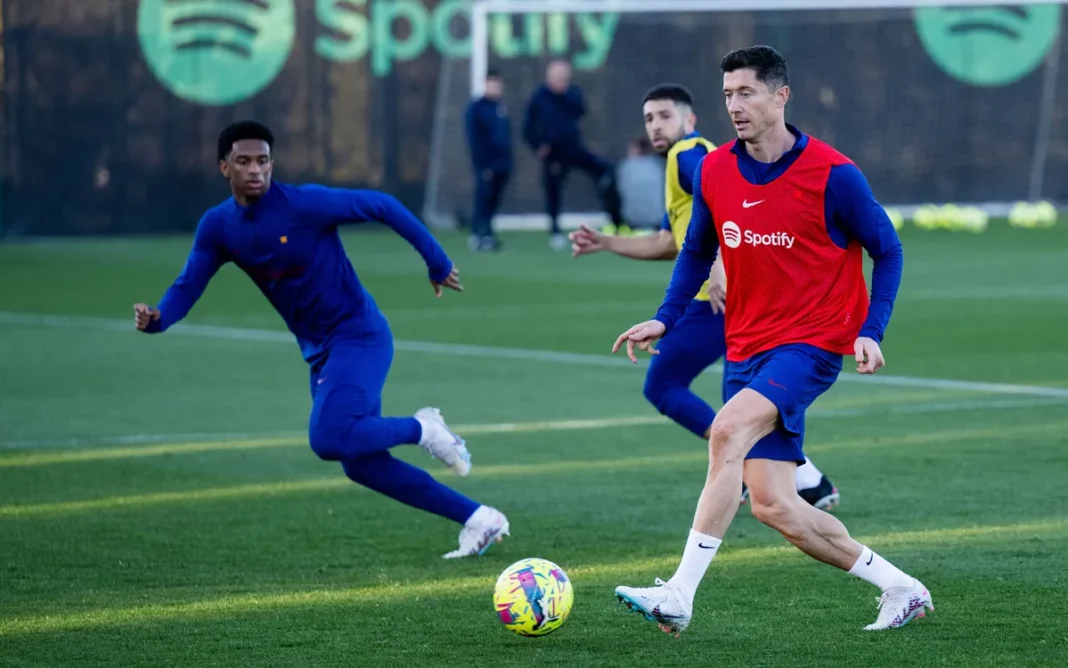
288 244
850 212
553 119
489 135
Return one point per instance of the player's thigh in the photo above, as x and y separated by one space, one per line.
693 345
350 383
792 378
744 420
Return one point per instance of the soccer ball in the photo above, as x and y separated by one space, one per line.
533 597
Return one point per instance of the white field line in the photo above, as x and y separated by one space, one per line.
463 350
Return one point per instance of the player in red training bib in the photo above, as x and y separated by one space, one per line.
792 217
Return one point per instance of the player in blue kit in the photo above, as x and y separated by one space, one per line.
285 238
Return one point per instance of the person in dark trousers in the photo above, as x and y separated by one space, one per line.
551 129
489 136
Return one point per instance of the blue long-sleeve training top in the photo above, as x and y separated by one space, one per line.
288 244
850 212
489 135
553 119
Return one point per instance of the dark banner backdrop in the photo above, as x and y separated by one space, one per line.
110 108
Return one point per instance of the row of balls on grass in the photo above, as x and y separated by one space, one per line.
973 219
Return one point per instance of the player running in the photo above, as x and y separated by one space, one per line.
697 341
285 238
792 216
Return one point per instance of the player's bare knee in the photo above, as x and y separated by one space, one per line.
726 441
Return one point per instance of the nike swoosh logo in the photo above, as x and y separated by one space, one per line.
706 547
870 557
746 205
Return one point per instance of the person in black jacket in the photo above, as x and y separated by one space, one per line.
489 136
551 129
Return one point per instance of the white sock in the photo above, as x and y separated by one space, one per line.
698 554
879 571
808 476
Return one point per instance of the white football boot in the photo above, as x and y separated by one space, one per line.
442 443
900 605
662 604
485 527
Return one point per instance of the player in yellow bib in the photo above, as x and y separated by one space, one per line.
670 124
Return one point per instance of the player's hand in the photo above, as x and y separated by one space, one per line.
642 335
717 296
143 315
585 241
869 355
452 282
717 287
543 151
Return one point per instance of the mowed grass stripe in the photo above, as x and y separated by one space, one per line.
97 453
398 592
697 457
128 452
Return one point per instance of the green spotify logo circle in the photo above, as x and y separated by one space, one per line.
216 52
989 46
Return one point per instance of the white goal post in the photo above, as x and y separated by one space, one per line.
448 185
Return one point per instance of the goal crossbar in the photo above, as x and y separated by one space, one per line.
482 9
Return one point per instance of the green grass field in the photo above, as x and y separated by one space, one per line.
159 505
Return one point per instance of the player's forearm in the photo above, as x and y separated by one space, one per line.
853 203
691 270
174 306
660 246
404 223
186 290
885 281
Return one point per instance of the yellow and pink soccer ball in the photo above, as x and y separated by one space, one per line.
533 597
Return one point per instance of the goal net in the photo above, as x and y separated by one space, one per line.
948 101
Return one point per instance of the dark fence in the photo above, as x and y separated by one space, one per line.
110 108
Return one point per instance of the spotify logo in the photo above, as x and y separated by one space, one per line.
732 234
216 52
988 46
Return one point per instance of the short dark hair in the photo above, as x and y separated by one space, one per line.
669 91
243 130
769 65
493 73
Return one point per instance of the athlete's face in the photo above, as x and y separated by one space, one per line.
753 107
248 168
666 122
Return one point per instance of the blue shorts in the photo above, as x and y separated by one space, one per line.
792 377
694 344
